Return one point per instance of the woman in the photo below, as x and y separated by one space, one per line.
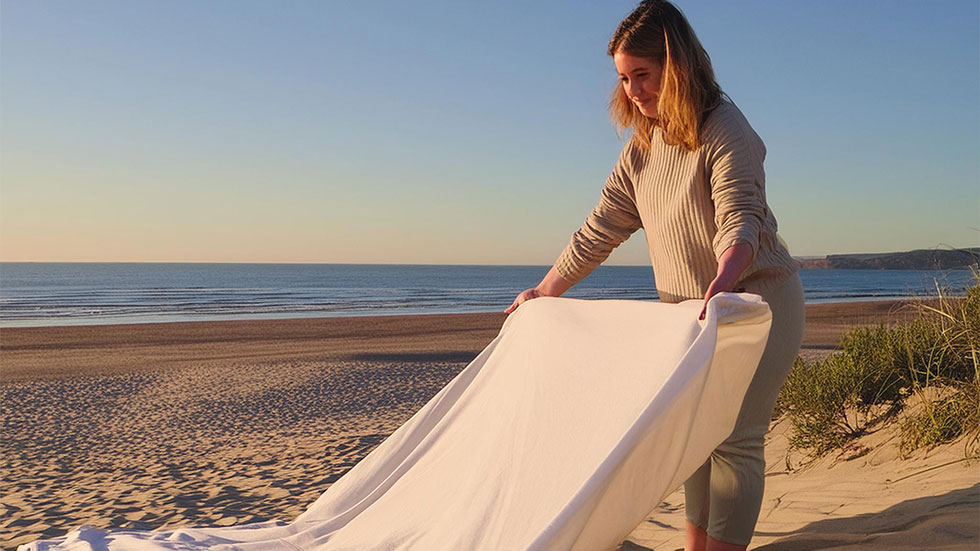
692 177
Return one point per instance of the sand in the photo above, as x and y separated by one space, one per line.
162 425
864 498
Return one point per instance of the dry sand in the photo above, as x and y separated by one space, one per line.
864 498
162 425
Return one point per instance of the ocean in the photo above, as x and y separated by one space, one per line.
42 294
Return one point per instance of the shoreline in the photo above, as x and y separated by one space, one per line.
292 316
73 350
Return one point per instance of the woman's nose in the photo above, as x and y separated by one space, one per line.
633 89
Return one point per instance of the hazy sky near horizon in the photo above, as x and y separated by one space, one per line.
455 132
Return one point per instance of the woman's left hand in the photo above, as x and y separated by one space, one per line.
718 285
733 262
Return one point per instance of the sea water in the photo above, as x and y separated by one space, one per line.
38 294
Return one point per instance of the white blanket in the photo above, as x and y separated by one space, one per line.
564 433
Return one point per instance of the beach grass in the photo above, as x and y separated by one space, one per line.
923 373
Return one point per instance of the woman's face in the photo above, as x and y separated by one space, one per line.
641 81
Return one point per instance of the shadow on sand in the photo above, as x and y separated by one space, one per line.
947 522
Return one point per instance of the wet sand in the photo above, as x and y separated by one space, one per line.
161 425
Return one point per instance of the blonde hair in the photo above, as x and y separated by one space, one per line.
657 30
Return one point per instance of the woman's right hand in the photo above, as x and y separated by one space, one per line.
523 297
551 286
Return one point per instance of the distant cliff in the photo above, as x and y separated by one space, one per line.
920 259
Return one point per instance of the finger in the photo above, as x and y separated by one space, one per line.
517 302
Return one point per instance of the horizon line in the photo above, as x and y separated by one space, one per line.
646 265
797 257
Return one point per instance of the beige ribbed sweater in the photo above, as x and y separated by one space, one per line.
692 206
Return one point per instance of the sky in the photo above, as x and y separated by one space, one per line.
455 132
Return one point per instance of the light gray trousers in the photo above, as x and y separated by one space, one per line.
724 496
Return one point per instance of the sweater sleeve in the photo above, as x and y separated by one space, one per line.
735 162
611 222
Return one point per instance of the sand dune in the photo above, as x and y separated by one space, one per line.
864 498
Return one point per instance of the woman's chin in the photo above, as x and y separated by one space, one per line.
649 113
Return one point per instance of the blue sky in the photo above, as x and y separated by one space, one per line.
455 132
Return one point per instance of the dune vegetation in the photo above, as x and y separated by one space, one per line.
923 374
